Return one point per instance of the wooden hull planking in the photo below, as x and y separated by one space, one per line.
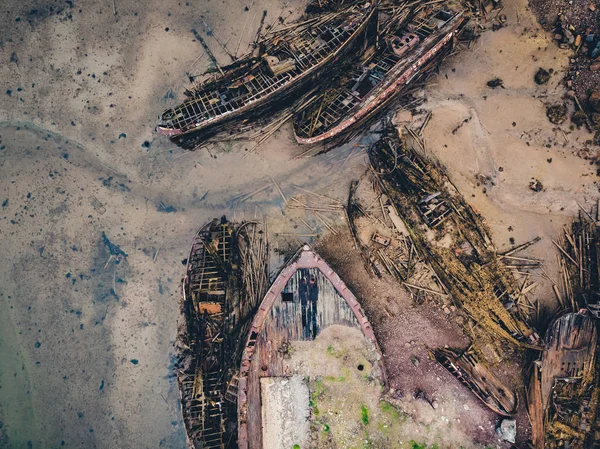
267 90
217 304
563 392
283 317
470 271
479 379
392 85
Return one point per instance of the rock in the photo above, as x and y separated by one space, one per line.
592 7
542 76
569 36
507 430
578 40
594 101
595 66
415 361
536 185
557 113
496 82
434 404
558 37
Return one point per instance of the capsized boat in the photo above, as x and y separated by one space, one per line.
226 276
380 77
479 379
564 391
305 315
290 57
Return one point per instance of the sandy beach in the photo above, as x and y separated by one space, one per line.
86 343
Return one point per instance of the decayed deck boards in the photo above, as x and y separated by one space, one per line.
306 298
226 276
565 373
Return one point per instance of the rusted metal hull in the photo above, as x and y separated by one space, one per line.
280 93
388 89
279 320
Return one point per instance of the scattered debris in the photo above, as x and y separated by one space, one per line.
97 205
166 208
542 76
557 113
113 249
507 430
496 82
536 185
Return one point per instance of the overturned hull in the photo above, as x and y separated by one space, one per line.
218 302
306 303
563 395
379 79
289 60
479 379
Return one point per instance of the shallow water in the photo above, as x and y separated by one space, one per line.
75 136
90 335
19 424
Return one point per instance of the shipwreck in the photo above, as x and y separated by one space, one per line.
564 391
434 212
226 275
308 306
410 46
478 378
289 58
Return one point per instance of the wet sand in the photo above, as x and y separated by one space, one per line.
87 345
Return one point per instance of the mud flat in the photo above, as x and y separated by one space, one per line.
88 341
506 140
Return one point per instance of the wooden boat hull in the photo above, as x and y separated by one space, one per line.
398 78
564 384
279 94
284 317
472 275
216 307
479 379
